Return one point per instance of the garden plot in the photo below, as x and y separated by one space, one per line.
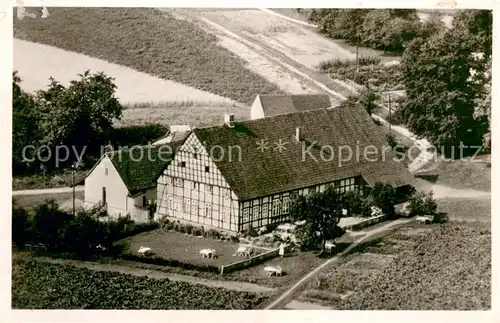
445 268
36 63
299 43
39 285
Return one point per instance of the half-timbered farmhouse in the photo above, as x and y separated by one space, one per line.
245 173
272 105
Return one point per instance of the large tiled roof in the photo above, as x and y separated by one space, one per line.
256 173
274 105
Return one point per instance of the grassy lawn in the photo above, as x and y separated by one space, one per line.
460 174
418 267
149 41
39 285
182 247
295 266
30 202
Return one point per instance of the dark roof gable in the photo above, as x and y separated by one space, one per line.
255 173
140 166
274 105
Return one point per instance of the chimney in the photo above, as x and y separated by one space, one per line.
297 134
229 120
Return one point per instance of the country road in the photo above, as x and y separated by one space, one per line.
56 190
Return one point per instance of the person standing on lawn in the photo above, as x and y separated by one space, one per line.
281 251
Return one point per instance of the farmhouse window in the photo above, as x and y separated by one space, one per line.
194 207
144 201
286 204
106 171
182 164
208 210
179 182
276 207
265 210
187 205
195 156
194 185
246 212
170 201
207 169
208 188
255 212
227 214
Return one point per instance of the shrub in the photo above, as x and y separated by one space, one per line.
234 239
352 202
163 222
385 197
20 225
197 232
391 140
369 60
182 228
170 226
376 121
423 203
271 227
251 232
189 229
213 234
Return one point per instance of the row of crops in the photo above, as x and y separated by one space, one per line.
40 285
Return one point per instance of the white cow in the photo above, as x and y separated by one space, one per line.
207 253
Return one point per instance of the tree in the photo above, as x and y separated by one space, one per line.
367 98
321 212
439 97
422 203
24 127
20 224
385 197
50 225
75 115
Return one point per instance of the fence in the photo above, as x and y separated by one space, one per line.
252 261
365 223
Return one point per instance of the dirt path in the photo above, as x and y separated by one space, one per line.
48 190
319 80
237 286
288 294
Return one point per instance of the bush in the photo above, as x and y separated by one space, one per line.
212 234
385 197
181 228
20 225
251 232
391 140
197 232
422 203
352 202
271 227
163 222
369 60
189 229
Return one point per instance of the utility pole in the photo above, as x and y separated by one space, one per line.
73 173
357 56
390 114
